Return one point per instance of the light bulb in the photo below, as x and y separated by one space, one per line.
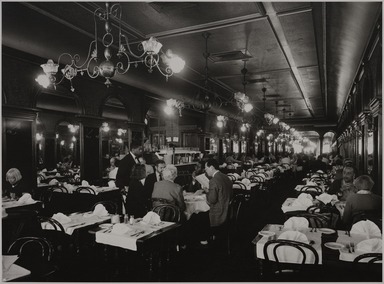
248 107
243 128
220 124
275 120
43 80
168 110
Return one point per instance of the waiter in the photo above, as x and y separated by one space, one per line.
126 164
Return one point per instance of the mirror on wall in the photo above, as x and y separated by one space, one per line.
67 146
114 143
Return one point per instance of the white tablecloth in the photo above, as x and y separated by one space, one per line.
6 203
195 204
287 206
129 239
79 220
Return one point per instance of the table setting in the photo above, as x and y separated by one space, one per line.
12 271
25 199
126 235
79 220
195 203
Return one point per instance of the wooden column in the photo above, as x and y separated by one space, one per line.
376 110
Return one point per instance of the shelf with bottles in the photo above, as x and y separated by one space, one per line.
182 156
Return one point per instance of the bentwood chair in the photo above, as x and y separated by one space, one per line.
58 188
168 212
275 252
373 215
35 254
85 189
368 267
232 177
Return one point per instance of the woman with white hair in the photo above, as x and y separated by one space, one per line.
168 191
16 187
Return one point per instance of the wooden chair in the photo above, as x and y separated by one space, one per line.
232 177
58 188
290 270
239 185
110 206
233 216
168 212
368 267
85 189
373 257
35 254
373 215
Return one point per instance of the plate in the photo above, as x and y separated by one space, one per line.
326 231
267 233
333 245
105 226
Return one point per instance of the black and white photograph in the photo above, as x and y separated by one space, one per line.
203 141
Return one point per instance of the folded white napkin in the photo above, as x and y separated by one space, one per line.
199 192
246 181
235 165
368 246
262 171
53 182
44 170
111 183
61 218
26 198
151 218
320 171
296 223
54 170
294 236
304 195
311 183
304 202
84 183
100 210
120 229
327 198
69 187
93 187
366 228
8 260
57 175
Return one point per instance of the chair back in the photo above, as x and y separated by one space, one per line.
52 222
369 257
85 189
110 206
168 212
305 250
373 215
32 245
239 185
58 188
231 177
234 207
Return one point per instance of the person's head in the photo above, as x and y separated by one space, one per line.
142 161
364 182
136 149
159 166
112 162
348 174
170 172
348 163
138 172
211 166
13 176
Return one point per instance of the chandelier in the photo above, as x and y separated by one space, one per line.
109 64
242 100
173 104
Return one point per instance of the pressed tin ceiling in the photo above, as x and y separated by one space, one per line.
287 43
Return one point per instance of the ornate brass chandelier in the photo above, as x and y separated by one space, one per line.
109 64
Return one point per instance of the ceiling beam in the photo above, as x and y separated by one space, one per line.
278 30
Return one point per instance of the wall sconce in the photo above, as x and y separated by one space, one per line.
105 127
245 127
39 136
121 131
74 139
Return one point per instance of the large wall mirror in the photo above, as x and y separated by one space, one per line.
67 145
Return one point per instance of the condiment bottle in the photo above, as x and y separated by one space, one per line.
131 219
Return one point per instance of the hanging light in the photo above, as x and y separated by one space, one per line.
173 104
105 127
96 65
242 99
221 119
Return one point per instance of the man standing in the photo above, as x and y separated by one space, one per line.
126 164
218 195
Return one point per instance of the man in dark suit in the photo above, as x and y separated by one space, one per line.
154 177
125 166
219 194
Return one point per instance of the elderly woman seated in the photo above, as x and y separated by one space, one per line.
361 201
168 191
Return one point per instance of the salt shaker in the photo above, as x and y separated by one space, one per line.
126 219
131 219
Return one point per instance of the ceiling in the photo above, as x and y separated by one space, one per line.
306 54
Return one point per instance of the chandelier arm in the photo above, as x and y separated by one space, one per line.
96 69
90 56
168 71
120 65
129 49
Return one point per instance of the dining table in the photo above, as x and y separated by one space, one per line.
9 205
12 271
289 205
195 203
332 246
145 239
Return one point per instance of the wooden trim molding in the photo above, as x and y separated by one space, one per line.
16 112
